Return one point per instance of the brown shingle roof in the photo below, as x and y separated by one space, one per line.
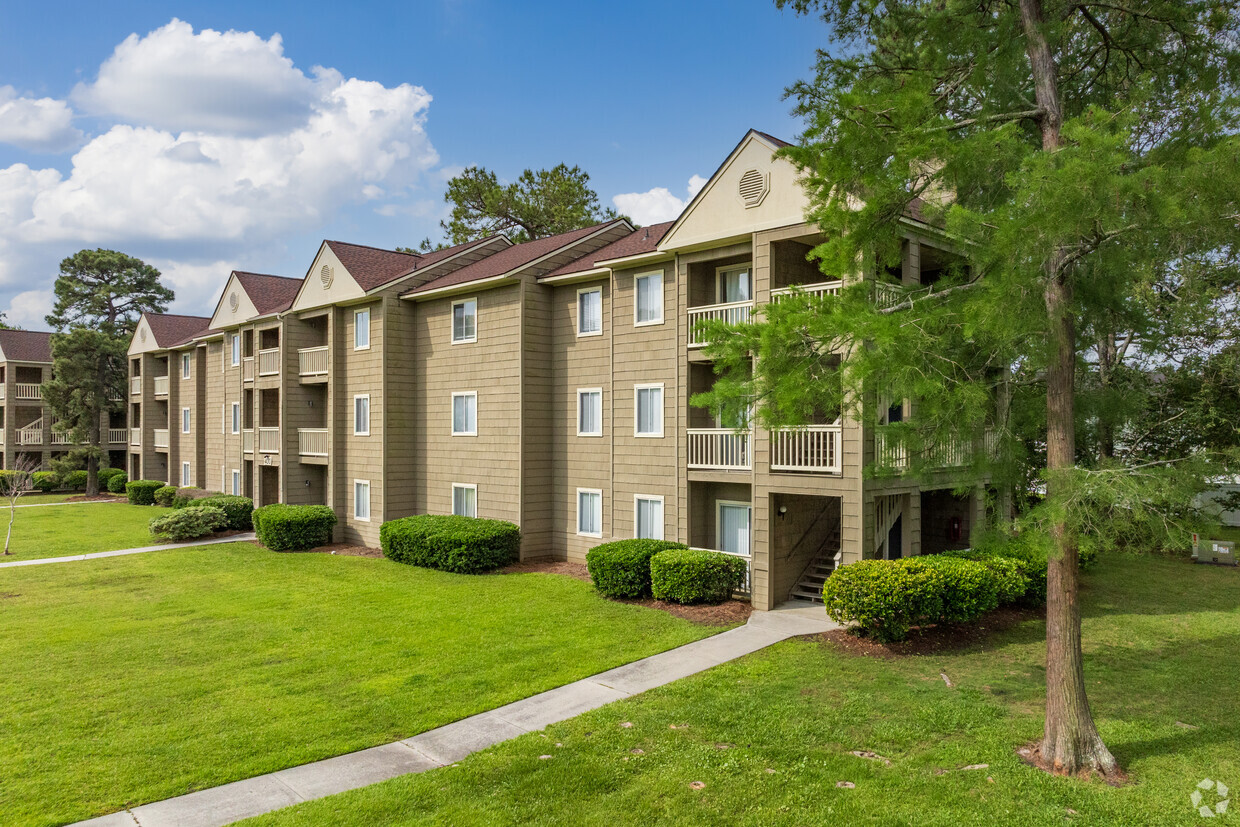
170 330
511 258
643 240
372 267
26 345
779 142
270 294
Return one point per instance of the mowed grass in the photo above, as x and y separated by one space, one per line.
41 499
771 735
136 679
77 529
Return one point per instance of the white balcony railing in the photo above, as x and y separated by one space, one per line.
312 361
161 437
247 369
135 385
116 436
1 390
952 454
269 440
826 288
732 313
61 438
161 385
720 449
247 440
28 390
31 434
269 362
312 442
135 436
812 448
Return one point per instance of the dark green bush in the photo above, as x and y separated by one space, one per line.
1011 580
44 481
695 576
883 597
239 510
283 527
1029 549
142 492
165 495
465 545
74 480
622 568
117 484
188 495
106 475
968 588
189 523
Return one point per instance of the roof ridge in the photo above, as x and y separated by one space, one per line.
371 247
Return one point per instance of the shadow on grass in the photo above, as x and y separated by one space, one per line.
1157 585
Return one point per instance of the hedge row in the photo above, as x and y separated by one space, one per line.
142 492
238 510
464 545
622 568
282 527
664 570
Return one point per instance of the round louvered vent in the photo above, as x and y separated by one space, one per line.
753 187
232 301
326 274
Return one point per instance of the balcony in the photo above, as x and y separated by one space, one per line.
31 434
161 438
135 386
28 390
312 442
720 449
247 369
825 288
953 454
312 362
269 362
814 448
135 436
247 440
269 440
161 386
116 436
731 313
62 438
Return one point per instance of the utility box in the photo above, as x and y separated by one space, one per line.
1220 552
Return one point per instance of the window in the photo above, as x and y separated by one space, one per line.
185 420
361 415
590 412
236 483
464 500
361 499
465 414
590 512
236 417
361 330
648 301
648 413
185 363
235 349
590 311
732 527
734 284
184 474
464 321
648 517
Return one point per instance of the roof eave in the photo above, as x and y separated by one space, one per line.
464 287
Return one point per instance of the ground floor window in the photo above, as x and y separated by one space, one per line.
464 500
184 474
361 499
236 483
590 512
648 517
732 527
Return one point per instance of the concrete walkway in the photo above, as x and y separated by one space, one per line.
75 502
439 747
236 538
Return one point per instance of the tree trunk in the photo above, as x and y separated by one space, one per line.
1107 357
1070 743
9 535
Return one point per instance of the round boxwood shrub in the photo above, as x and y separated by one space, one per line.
117 484
464 545
44 481
239 510
142 492
165 495
106 475
883 597
622 568
695 576
189 523
282 527
74 480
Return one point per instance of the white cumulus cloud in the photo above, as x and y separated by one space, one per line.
658 204
37 124
27 309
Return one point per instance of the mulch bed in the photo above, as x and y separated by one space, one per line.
935 639
98 498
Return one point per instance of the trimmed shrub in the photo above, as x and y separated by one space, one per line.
142 492
622 568
186 496
117 484
163 496
106 475
968 588
74 480
283 527
44 481
239 510
1011 580
464 545
189 523
1029 550
695 576
883 597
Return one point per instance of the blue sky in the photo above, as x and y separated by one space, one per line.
205 150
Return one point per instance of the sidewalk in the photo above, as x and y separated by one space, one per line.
236 538
439 747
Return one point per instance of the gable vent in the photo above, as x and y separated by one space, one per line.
142 335
233 302
326 274
753 187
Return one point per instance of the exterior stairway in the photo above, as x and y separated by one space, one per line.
809 587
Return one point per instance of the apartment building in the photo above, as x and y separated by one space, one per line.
546 383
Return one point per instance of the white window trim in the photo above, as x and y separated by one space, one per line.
727 268
185 366
357 313
598 288
599 391
662 409
452 322
369 510
356 397
236 482
599 492
719 504
186 475
637 498
452 413
662 298
469 486
186 421
234 349
235 422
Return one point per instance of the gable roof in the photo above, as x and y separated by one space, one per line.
373 267
270 294
26 345
170 329
643 240
516 257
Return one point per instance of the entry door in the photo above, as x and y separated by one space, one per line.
734 285
733 527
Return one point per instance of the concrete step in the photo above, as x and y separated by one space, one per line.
807 594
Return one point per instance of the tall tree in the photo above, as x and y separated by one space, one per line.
538 204
1076 150
100 295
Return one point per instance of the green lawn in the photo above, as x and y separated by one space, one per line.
772 734
42 499
77 529
135 679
